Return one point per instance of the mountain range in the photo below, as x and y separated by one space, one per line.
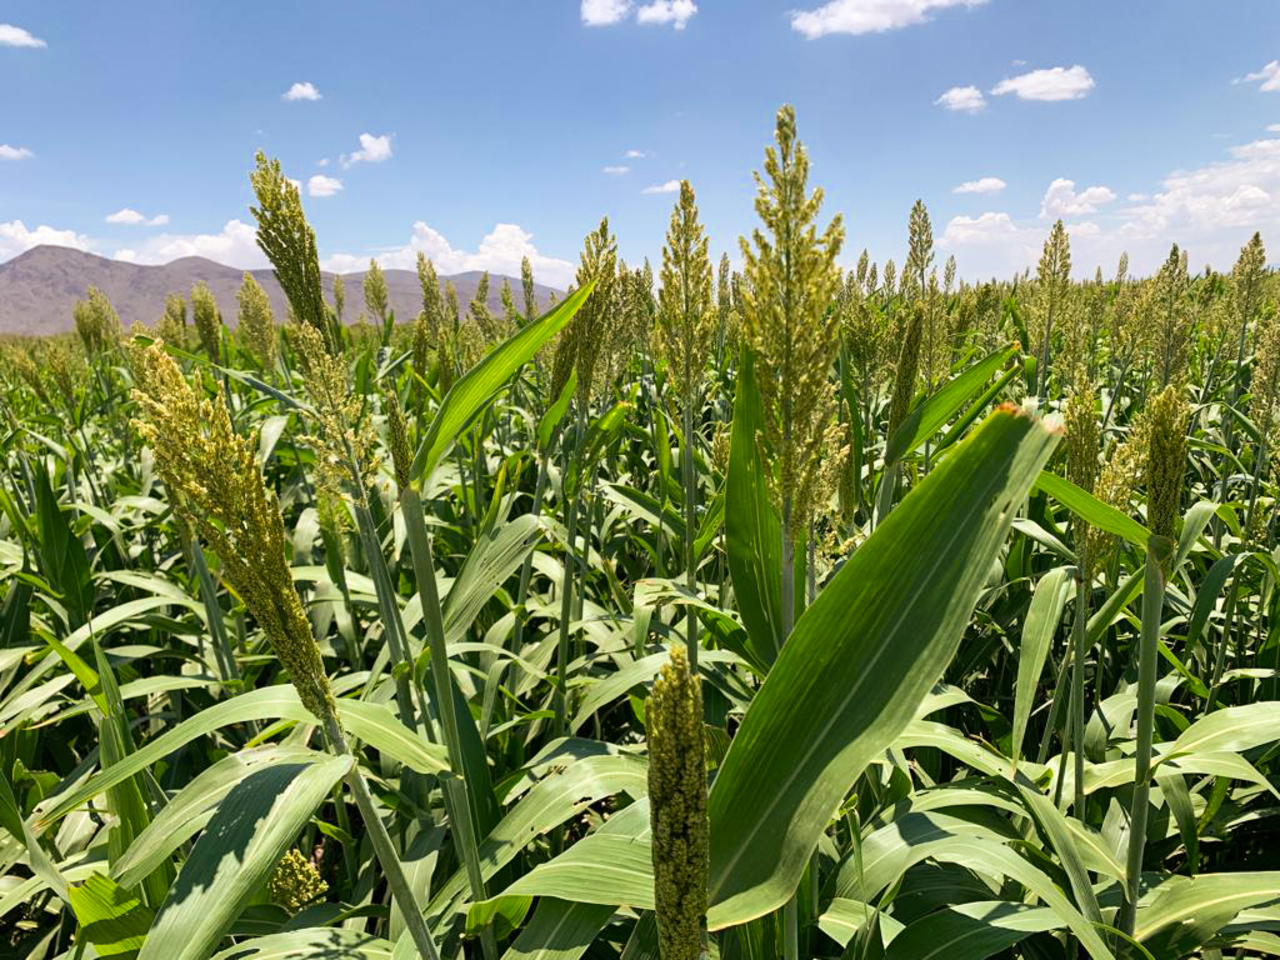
39 288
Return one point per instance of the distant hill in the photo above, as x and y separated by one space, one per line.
39 288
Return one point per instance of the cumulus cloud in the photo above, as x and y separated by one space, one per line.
15 238
1210 211
302 91
602 13
981 185
131 217
322 186
500 251
671 186
372 150
1237 194
234 246
675 12
605 13
1268 78
14 153
635 154
1062 200
869 16
1055 83
984 228
11 36
967 99
617 171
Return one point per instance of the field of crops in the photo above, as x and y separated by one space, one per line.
794 611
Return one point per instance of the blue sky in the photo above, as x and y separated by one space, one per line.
485 130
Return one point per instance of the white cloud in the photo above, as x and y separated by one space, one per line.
322 162
602 13
985 228
372 150
671 186
234 246
1062 200
981 185
617 171
1210 211
131 217
968 99
635 154
1241 193
992 244
14 153
11 36
15 238
868 16
302 91
660 12
1268 75
500 251
322 186
1055 83
125 215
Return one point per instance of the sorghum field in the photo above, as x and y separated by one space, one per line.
789 612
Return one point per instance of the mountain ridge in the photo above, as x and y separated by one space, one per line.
39 288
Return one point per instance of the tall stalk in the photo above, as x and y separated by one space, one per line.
686 334
455 785
1166 465
213 610
526 568
570 571
383 848
791 283
1159 552
1079 644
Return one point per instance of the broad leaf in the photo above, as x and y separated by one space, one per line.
860 660
476 389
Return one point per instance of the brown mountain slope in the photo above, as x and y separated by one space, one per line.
39 288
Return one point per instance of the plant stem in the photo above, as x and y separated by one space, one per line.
1159 551
392 624
1220 662
566 592
424 571
888 487
209 594
526 569
383 848
1051 722
1080 634
790 912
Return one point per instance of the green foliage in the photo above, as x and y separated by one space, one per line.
437 636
